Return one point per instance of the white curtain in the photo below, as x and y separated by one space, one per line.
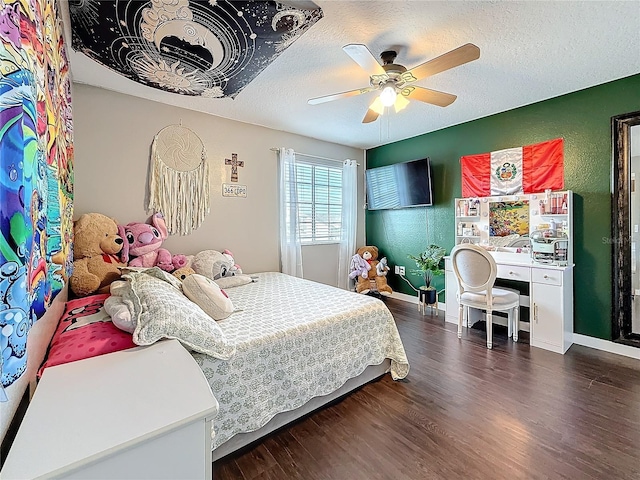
290 245
349 220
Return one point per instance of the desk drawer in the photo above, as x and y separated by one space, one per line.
511 272
547 276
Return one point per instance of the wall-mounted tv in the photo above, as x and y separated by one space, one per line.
400 185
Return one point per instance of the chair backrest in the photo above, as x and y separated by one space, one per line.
474 267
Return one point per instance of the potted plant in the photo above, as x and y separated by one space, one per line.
428 263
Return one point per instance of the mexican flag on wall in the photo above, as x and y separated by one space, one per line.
529 169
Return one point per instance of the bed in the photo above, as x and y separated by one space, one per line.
289 347
299 344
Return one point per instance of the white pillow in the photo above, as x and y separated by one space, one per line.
205 293
160 310
235 281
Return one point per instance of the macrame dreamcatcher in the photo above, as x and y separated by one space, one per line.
179 180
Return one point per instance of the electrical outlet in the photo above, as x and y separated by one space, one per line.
400 270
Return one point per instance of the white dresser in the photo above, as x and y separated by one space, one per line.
143 413
550 300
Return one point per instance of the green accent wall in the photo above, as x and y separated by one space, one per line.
583 119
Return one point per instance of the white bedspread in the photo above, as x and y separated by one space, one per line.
295 340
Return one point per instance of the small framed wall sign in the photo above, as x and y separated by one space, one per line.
234 190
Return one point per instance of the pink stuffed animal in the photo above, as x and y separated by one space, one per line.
143 241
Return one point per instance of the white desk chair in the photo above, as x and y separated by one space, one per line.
476 272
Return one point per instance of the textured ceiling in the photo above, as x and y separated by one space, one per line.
530 51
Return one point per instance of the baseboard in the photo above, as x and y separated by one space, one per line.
578 339
606 346
414 299
405 298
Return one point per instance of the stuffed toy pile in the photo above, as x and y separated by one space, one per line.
102 248
201 281
365 267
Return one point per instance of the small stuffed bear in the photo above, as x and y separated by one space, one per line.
96 244
143 241
370 254
183 272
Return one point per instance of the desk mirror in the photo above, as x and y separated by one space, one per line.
509 223
626 226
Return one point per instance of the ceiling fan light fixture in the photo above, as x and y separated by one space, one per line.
401 103
388 96
377 106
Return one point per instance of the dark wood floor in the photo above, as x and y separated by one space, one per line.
466 412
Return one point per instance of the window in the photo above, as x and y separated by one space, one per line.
319 192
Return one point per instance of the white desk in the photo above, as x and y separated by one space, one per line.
135 414
550 298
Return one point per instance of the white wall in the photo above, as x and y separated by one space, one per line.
113 135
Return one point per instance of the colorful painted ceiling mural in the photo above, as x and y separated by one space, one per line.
202 48
36 176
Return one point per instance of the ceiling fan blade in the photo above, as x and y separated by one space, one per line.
371 116
362 56
427 95
336 96
375 110
459 56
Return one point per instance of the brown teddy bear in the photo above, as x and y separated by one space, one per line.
96 244
363 285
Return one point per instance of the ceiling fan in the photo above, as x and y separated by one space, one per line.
395 82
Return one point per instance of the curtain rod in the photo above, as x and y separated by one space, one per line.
274 149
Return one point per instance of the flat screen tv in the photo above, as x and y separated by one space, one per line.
401 185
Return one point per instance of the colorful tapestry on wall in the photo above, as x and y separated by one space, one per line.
36 177
208 48
529 169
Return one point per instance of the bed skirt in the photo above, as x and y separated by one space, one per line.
243 439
